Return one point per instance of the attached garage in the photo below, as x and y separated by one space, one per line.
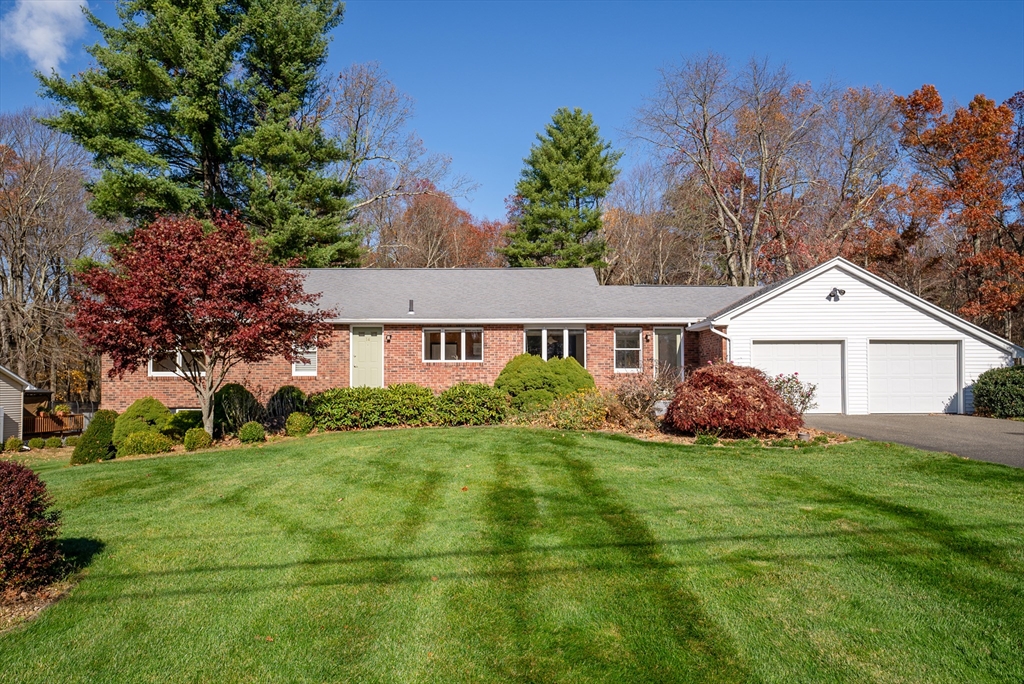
913 377
869 346
820 363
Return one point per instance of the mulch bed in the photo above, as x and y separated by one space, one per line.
19 607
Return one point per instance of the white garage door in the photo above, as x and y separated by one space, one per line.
820 363
912 377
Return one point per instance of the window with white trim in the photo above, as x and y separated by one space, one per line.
557 343
627 350
305 364
170 364
453 344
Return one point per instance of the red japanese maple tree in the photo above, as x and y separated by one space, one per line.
182 284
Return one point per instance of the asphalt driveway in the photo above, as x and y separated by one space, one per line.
982 439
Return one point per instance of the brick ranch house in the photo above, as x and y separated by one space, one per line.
868 345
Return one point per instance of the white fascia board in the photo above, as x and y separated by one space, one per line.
909 298
25 384
471 322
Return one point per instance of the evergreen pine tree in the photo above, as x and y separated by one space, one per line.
196 106
567 174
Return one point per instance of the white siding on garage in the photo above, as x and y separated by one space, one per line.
820 363
11 400
863 314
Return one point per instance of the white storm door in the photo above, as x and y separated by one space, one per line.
820 363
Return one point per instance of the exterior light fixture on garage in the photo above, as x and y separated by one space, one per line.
835 294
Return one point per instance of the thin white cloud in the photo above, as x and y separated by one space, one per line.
42 30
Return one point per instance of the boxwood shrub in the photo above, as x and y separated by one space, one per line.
298 424
97 443
197 438
470 404
251 432
534 383
349 408
1000 393
144 415
54 442
36 443
143 442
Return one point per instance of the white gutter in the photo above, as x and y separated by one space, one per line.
728 342
515 321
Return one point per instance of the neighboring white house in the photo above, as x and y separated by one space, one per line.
12 401
869 346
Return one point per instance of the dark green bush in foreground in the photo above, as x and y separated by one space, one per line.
144 443
298 424
181 422
233 407
144 415
97 444
534 383
36 443
470 404
197 438
349 408
284 402
1000 393
251 433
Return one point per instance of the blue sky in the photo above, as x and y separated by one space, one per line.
486 76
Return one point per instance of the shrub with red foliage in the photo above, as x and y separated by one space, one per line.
29 555
731 401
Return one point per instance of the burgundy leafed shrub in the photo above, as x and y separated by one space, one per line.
29 555
731 401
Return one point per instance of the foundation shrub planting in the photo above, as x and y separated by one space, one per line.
731 401
36 443
97 443
71 441
54 442
1000 393
29 554
252 432
639 392
197 438
181 422
139 443
533 383
144 415
283 403
298 424
233 407
13 444
584 409
798 394
350 408
470 404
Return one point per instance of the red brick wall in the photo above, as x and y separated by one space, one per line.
711 347
403 362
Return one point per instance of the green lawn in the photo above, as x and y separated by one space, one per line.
519 555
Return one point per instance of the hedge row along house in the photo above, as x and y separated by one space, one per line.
868 345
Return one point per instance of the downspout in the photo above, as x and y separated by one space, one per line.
728 342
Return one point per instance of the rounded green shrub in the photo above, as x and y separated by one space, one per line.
349 408
233 407
144 442
13 444
71 441
298 424
534 383
251 433
197 438
54 442
181 422
144 415
97 443
1000 393
283 403
470 404
36 443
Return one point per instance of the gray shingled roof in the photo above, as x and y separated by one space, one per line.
508 294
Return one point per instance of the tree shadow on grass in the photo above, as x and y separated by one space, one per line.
79 552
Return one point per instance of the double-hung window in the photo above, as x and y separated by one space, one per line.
174 364
453 344
305 364
627 350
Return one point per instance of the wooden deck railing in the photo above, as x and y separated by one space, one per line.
39 425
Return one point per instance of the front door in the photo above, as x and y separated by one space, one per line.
667 351
367 357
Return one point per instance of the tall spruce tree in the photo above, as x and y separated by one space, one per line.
558 205
196 106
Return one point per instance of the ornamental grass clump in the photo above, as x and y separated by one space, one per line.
730 401
29 554
97 443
